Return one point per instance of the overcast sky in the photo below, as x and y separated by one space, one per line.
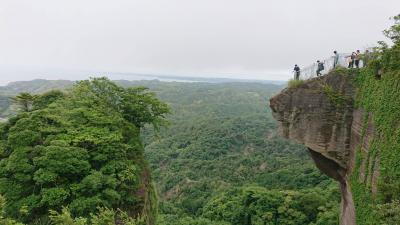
259 39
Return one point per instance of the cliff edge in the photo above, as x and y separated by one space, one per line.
319 113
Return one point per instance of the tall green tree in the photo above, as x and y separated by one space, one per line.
24 101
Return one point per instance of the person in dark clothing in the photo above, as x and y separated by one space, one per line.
335 59
320 67
351 59
296 72
357 58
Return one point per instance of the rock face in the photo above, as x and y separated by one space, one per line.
319 115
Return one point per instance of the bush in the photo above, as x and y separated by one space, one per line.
295 83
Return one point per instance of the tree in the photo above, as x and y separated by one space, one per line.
3 219
24 101
137 105
45 99
394 31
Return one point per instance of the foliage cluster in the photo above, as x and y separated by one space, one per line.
260 206
104 216
80 150
295 83
337 98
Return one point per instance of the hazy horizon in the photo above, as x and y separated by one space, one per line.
79 75
211 38
54 74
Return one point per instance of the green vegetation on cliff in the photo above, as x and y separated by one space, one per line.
379 94
80 150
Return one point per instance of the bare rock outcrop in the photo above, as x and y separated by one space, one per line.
319 115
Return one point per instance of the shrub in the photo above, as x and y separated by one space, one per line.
295 83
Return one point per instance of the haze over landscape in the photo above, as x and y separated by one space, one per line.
232 39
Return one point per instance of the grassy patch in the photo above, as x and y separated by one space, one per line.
295 83
334 96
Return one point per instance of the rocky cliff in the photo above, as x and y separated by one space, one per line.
320 114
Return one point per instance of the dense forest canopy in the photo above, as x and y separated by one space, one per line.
81 150
218 161
221 160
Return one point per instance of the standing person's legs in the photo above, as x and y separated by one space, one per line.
357 64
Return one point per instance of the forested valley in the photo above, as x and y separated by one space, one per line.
213 150
221 161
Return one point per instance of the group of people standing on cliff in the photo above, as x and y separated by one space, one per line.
353 61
